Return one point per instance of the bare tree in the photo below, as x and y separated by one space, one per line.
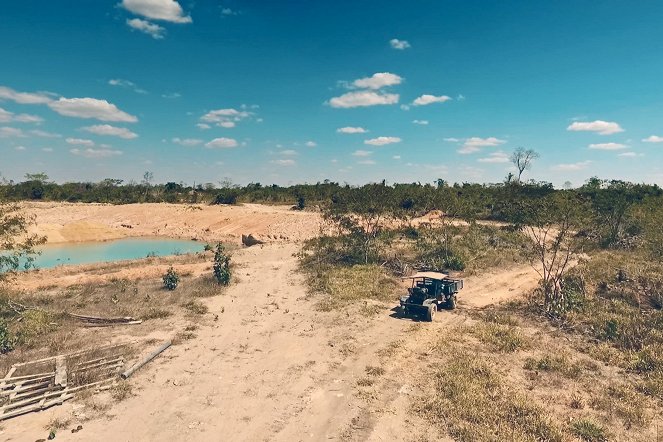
522 158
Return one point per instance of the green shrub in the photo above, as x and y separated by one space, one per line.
6 339
171 279
221 265
589 431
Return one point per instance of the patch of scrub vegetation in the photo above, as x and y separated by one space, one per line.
555 363
501 337
472 401
345 285
589 431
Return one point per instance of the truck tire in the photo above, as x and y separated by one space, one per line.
430 314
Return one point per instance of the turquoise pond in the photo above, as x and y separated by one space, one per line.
53 255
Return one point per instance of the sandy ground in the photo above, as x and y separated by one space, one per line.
271 367
71 222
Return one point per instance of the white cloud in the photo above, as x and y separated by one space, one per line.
95 153
405 107
598 126
451 140
9 117
221 143
228 11
427 99
495 157
351 130
47 149
362 99
157 32
203 126
288 152
107 129
44 134
474 144
187 142
80 142
608 146
378 81
166 10
571 167
286 162
24 97
420 122
396 157
20 148
366 162
90 108
11 132
171 95
225 117
310 144
126 84
630 154
362 153
399 44
653 139
381 141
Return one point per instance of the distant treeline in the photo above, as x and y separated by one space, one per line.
467 200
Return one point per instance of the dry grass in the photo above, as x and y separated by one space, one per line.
472 402
121 391
589 431
346 285
555 363
503 338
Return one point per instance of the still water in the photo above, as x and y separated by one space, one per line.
129 248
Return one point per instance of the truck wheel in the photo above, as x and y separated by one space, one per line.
430 314
402 311
451 303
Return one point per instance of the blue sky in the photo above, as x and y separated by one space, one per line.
302 91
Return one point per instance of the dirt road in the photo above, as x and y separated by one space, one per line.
273 368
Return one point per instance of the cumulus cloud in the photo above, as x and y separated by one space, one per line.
11 132
222 143
126 84
598 126
495 157
362 153
366 162
107 129
288 152
474 144
10 117
227 118
20 148
396 157
571 167
378 81
284 162
203 126
351 130
420 122
187 142
381 141
363 99
630 154
90 108
80 142
47 149
95 153
310 144
399 44
24 97
155 31
165 10
44 134
653 139
427 99
608 146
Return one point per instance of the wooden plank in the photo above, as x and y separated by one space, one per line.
60 371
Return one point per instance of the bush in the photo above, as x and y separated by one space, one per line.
226 196
6 340
171 279
589 431
221 265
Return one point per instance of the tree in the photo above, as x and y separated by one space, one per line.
147 182
221 266
16 242
522 158
551 222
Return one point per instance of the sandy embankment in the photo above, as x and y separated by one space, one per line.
74 222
